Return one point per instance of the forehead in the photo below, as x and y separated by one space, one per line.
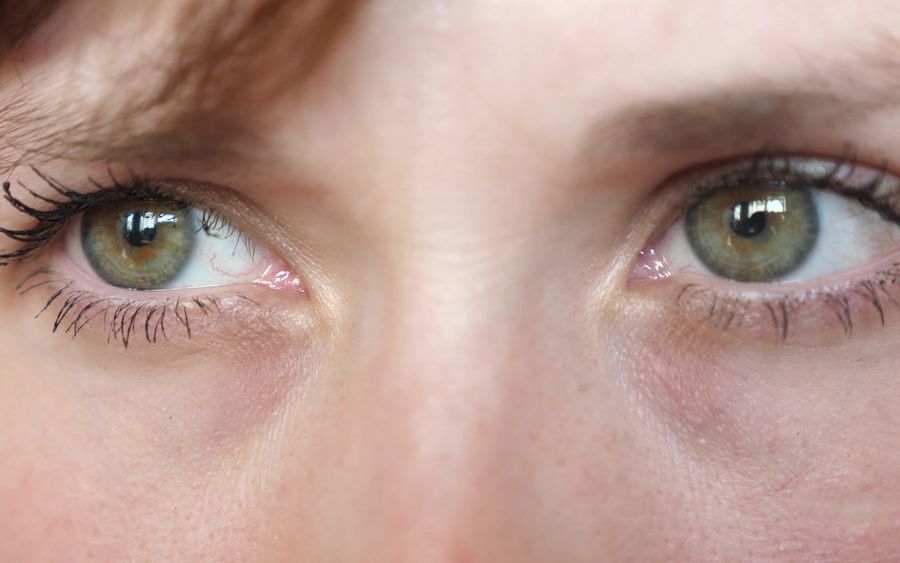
217 39
185 62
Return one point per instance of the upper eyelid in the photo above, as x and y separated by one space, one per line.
675 194
845 175
244 214
52 209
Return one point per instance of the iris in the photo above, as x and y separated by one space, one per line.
754 233
138 245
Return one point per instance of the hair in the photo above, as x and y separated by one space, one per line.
279 39
19 18
223 58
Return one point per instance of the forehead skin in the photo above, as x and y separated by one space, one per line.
469 174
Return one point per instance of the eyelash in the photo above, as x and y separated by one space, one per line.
121 318
53 220
726 310
769 167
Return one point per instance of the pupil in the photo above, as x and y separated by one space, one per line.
140 228
746 224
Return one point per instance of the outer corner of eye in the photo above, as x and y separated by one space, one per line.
159 245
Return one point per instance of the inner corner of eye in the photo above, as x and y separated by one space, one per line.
652 264
140 245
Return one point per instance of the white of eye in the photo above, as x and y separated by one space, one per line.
851 236
221 256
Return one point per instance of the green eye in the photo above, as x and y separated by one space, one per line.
138 244
754 233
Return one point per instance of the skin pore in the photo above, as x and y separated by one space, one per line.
469 373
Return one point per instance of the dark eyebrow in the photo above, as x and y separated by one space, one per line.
729 118
816 97
19 19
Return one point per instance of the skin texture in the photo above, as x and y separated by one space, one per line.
470 375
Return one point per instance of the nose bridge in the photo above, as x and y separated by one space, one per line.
433 405
442 362
450 377
453 354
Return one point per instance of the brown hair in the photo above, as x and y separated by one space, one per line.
222 59
19 18
220 42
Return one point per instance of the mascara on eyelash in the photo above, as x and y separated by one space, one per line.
728 312
872 187
122 319
51 221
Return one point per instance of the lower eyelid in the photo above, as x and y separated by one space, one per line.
65 294
151 319
794 314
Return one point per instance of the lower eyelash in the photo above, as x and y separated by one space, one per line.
121 319
725 311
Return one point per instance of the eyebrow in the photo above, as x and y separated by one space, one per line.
814 99
730 117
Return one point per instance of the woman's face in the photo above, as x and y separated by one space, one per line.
450 281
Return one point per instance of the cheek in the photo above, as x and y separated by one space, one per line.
797 445
141 446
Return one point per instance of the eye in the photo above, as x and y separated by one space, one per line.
139 259
157 245
785 222
152 245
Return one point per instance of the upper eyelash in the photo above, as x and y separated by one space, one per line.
49 222
876 194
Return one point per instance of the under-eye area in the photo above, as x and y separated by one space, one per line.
803 250
134 259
